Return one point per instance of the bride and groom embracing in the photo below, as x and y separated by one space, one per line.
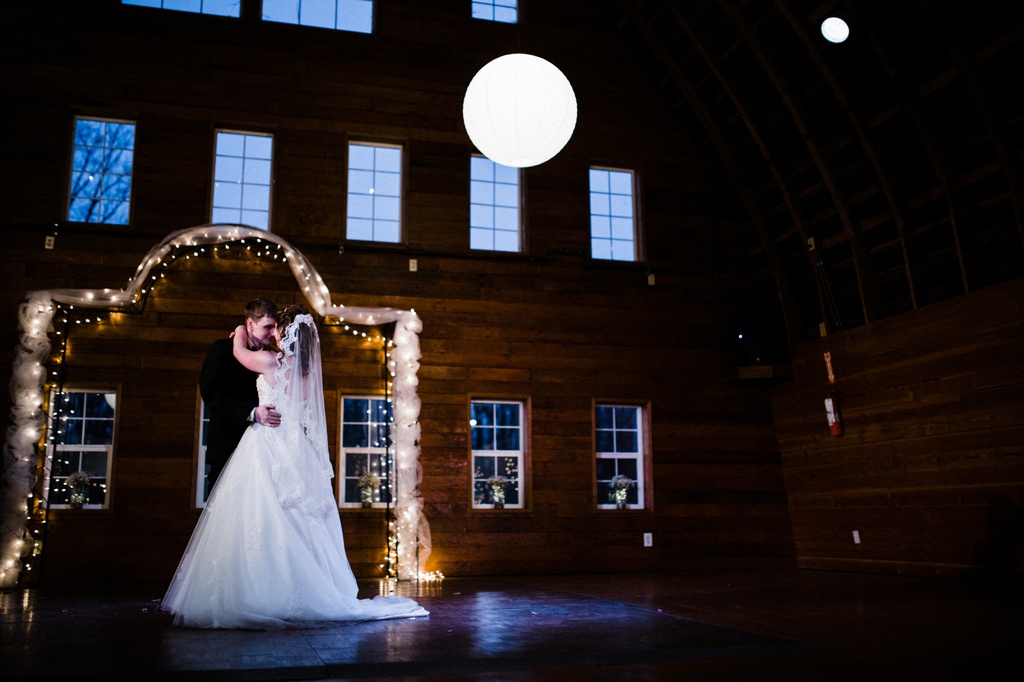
268 550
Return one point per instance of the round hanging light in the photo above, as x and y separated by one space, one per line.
835 30
519 110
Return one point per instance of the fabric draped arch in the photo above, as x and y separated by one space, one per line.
28 419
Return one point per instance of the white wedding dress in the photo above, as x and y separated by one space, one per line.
268 550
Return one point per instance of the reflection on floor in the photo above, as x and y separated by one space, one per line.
745 625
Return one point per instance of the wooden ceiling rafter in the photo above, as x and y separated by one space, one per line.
718 70
867 285
787 300
867 143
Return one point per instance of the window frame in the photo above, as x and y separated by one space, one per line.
52 447
337 14
634 188
402 173
494 6
642 456
494 206
522 454
71 171
341 463
270 179
159 4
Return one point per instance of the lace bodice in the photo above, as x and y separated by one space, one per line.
297 415
266 393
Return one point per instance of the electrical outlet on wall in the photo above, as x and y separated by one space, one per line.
648 539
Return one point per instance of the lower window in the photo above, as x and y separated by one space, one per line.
80 449
496 432
366 457
619 443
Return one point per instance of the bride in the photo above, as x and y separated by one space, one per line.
268 550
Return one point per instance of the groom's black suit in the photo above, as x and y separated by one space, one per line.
229 390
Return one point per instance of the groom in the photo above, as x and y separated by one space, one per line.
229 389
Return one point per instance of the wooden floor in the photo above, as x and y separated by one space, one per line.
751 625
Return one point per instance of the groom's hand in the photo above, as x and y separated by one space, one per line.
268 415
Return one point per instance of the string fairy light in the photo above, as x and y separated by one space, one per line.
19 542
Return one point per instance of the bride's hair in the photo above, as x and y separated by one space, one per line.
304 338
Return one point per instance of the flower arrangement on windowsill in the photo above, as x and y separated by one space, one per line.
79 483
620 485
368 482
497 485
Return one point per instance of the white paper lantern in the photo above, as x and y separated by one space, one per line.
519 110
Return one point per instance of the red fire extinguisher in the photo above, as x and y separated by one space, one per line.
835 426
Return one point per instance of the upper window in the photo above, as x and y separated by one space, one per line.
80 449
101 171
224 8
612 226
496 10
619 447
496 429
374 193
493 206
241 179
364 461
342 15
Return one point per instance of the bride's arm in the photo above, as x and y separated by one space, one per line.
259 361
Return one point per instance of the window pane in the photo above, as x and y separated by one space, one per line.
355 409
483 439
355 436
507 414
605 468
355 15
506 241
626 417
483 413
627 467
483 467
355 464
508 439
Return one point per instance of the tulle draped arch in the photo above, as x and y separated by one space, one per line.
28 419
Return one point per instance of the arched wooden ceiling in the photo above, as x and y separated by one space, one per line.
866 178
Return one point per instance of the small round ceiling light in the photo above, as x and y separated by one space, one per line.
519 110
835 30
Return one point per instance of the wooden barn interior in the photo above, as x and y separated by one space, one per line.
813 221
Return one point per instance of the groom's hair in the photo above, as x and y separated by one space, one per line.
260 308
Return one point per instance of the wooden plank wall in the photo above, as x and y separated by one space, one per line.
548 326
930 466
